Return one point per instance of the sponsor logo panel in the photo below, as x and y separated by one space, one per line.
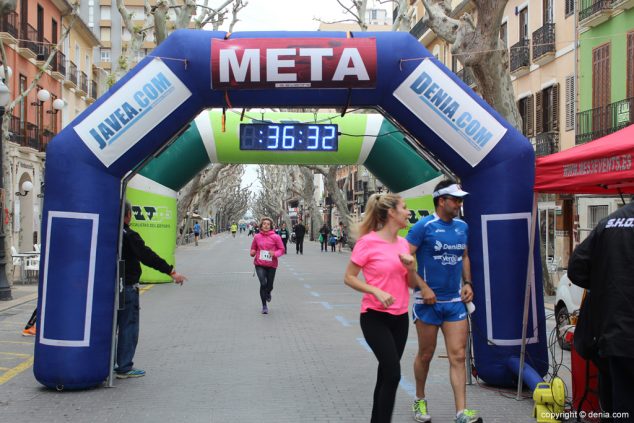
135 109
450 112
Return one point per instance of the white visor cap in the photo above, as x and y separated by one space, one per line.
454 190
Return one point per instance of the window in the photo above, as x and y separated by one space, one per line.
525 106
570 7
504 34
138 13
570 103
547 110
105 33
105 13
596 214
105 55
524 24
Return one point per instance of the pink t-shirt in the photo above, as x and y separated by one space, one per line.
382 268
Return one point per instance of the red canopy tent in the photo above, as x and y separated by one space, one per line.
603 166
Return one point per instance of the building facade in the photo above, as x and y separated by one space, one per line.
29 34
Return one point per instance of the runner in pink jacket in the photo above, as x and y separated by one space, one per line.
266 247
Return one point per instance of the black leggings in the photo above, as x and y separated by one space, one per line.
386 334
266 275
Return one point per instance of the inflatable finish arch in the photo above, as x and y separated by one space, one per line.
194 70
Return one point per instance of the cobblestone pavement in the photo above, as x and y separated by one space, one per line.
210 355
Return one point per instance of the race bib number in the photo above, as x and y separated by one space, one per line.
265 255
283 235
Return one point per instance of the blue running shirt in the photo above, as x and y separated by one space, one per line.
439 254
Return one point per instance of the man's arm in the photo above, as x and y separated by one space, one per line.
467 286
150 258
580 263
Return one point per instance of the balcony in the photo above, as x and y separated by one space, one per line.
27 45
622 4
600 121
544 44
27 134
43 51
594 12
94 94
82 88
466 74
520 58
71 75
58 66
546 143
9 28
419 29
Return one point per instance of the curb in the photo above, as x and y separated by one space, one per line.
18 301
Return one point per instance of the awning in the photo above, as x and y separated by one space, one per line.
603 166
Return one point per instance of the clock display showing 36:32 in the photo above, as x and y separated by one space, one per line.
289 136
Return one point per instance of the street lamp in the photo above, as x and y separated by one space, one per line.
27 186
5 98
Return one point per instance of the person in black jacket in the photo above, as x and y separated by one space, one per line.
604 264
300 231
134 252
284 234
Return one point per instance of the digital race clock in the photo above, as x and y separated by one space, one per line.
289 137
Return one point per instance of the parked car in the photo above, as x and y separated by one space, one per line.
567 303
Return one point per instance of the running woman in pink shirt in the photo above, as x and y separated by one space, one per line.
266 247
389 271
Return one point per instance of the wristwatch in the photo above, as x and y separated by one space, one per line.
467 283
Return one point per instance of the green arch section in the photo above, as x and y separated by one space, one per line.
367 139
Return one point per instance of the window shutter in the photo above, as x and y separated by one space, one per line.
539 114
570 103
630 64
530 116
555 103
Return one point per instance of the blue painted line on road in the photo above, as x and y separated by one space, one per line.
408 387
405 384
343 321
323 303
364 344
314 294
307 286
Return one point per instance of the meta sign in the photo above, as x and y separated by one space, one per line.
293 63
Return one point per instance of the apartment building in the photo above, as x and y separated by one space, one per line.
606 88
540 36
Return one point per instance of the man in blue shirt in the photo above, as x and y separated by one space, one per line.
196 233
440 244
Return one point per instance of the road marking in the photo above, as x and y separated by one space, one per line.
16 342
307 286
344 322
314 294
7 376
15 354
405 384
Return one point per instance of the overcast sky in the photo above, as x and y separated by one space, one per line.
286 15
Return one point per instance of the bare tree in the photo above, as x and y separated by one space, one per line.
477 45
157 22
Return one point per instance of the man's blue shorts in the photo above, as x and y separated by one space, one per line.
437 314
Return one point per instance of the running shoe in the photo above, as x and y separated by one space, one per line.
131 373
265 310
419 408
468 416
29 332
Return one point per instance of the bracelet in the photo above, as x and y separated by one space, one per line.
467 283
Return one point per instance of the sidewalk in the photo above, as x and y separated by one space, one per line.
210 355
21 294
